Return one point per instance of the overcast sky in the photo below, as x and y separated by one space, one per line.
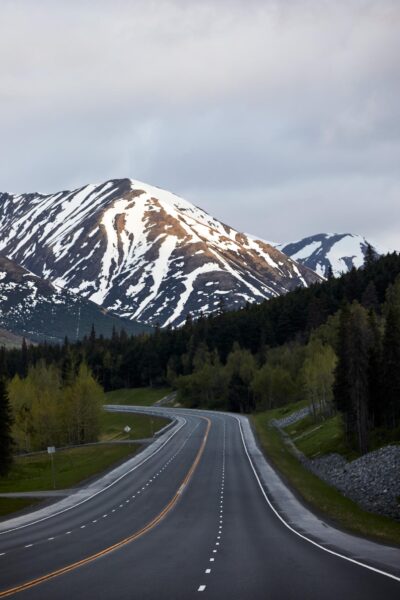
281 118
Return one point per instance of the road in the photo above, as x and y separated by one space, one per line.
191 520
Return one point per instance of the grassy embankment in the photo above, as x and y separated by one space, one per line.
315 440
74 465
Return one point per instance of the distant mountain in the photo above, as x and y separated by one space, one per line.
36 309
10 340
338 251
142 252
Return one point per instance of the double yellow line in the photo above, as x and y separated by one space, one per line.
153 523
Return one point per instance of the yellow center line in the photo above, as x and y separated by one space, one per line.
153 523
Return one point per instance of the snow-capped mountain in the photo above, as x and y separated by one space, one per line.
338 251
36 309
142 252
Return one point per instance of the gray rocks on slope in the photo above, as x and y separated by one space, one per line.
373 480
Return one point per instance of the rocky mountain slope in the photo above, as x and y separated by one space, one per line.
142 252
338 251
10 340
36 309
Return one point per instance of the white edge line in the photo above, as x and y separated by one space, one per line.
60 512
352 560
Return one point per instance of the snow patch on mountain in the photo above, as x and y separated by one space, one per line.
142 252
324 251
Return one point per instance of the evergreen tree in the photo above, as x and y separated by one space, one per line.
24 359
391 367
6 442
370 297
375 404
92 336
329 272
370 256
351 384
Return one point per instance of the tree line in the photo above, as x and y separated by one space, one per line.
48 407
301 344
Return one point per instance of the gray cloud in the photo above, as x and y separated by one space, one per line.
279 117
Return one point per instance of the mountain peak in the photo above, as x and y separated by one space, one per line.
142 252
324 251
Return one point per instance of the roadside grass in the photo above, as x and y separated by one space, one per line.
9 505
74 465
317 439
320 496
137 396
142 426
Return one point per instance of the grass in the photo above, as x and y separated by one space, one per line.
315 492
74 465
9 505
142 426
137 396
317 439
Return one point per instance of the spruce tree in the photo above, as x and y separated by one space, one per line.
329 272
369 298
24 359
391 367
6 442
375 400
351 385
370 256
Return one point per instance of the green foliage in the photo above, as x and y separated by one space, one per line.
207 385
351 389
137 396
323 438
391 361
273 386
313 490
72 465
318 378
256 357
142 426
46 413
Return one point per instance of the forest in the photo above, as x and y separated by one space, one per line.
335 344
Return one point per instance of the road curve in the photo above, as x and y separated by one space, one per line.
191 520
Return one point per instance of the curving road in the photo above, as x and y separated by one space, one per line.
192 519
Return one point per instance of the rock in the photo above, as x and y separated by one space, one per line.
373 480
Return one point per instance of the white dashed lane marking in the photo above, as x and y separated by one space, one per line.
221 503
151 480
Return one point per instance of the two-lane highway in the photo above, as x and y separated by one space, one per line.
191 520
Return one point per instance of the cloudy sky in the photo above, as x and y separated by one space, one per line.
281 118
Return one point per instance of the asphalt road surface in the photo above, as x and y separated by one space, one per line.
190 521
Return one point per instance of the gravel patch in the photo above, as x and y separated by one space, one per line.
372 481
292 418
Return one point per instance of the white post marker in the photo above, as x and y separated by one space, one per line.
51 450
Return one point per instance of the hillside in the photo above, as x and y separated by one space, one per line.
35 308
325 252
142 252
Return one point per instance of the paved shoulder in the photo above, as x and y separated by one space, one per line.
303 522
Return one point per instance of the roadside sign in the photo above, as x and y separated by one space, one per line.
127 429
51 449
